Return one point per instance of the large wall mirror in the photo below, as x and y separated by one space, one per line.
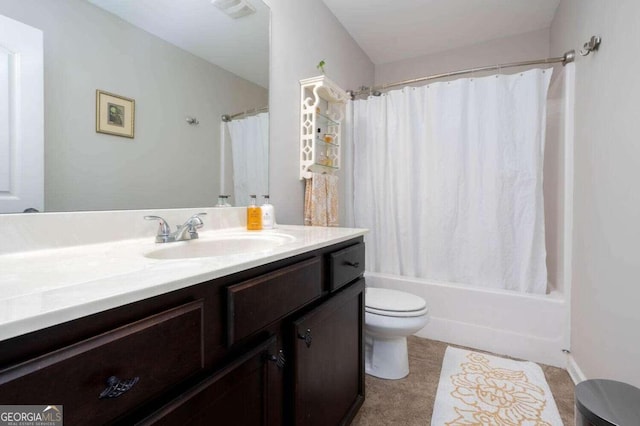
185 64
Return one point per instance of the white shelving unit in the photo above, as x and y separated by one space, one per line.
322 110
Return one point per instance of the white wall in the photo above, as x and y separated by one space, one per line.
605 319
303 32
532 45
168 164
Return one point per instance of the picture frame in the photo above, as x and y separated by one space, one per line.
115 114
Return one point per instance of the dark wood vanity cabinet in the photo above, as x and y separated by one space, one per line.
279 344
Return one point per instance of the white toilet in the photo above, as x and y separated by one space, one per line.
391 316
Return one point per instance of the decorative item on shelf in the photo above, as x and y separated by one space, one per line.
115 115
321 65
322 158
328 138
327 160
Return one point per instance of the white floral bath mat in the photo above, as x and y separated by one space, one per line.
479 389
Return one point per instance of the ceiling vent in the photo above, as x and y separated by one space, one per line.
235 8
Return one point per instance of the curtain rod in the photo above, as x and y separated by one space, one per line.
375 90
229 117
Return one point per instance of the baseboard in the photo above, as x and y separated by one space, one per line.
574 370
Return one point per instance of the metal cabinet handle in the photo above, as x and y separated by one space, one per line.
116 387
354 264
306 337
279 359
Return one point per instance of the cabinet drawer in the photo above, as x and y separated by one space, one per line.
345 265
255 303
161 351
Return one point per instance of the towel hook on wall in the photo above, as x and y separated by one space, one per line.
592 45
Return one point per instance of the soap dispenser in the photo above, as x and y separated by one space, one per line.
268 214
254 215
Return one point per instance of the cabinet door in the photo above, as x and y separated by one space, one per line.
328 370
247 392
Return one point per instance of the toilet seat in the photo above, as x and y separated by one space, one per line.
393 303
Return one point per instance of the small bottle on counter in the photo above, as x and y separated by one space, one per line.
268 214
254 215
223 201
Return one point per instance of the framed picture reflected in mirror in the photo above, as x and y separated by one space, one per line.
115 115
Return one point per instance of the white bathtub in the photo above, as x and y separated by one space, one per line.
504 322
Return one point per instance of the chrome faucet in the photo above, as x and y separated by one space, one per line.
187 231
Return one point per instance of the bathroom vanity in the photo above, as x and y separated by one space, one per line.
265 339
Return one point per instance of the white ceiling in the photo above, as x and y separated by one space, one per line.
392 30
197 26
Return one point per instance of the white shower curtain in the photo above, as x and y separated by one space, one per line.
448 177
250 152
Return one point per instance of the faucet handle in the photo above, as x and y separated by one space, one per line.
164 230
191 225
195 221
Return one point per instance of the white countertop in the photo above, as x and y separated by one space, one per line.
41 288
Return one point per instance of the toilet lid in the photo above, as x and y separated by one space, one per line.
383 299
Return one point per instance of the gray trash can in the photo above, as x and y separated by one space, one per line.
607 403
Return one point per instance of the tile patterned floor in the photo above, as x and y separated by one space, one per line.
409 401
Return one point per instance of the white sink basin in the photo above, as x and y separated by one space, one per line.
222 245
